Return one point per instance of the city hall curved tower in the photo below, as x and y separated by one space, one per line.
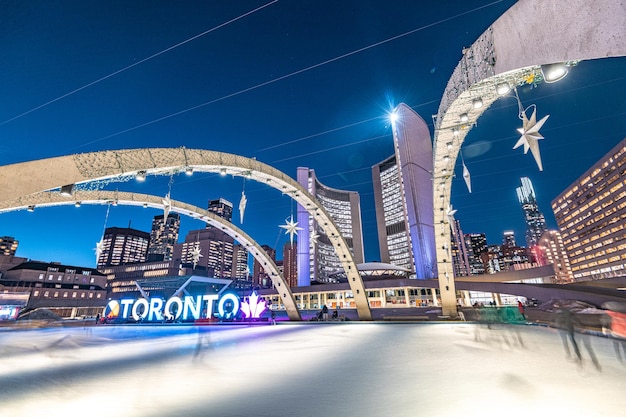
403 197
316 257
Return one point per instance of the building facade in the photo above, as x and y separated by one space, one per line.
552 251
68 291
240 262
260 277
591 215
123 246
290 264
403 197
535 221
163 237
317 258
214 250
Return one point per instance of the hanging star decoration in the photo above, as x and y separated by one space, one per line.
466 177
450 212
314 238
167 206
196 255
291 228
99 248
531 136
242 206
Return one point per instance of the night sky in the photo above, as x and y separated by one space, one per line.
292 83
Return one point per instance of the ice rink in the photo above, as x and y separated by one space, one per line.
313 369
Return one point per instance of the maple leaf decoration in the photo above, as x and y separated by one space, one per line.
531 136
254 307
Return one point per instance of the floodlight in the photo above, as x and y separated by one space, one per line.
503 88
477 103
66 190
554 72
464 117
77 204
393 117
189 171
140 176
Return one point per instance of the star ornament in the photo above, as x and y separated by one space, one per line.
531 136
242 206
195 256
291 228
99 248
167 206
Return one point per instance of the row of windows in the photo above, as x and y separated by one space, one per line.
65 294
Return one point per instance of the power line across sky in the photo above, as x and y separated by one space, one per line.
305 83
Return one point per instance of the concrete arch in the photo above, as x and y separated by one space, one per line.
530 34
49 199
22 179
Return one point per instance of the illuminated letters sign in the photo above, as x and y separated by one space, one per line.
189 307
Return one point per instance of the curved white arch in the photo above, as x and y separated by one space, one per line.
22 179
49 199
512 50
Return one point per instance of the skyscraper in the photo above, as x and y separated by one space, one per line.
403 197
8 245
123 246
476 244
535 221
163 237
240 262
460 253
318 259
207 249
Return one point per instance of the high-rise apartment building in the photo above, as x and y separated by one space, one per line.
163 237
222 208
207 249
403 197
552 251
317 258
8 245
460 253
591 214
535 221
123 245
290 264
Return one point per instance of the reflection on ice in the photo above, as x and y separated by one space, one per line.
366 369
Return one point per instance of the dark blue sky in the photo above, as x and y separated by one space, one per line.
279 94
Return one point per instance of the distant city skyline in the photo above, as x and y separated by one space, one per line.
292 84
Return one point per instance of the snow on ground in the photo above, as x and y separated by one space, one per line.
325 369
